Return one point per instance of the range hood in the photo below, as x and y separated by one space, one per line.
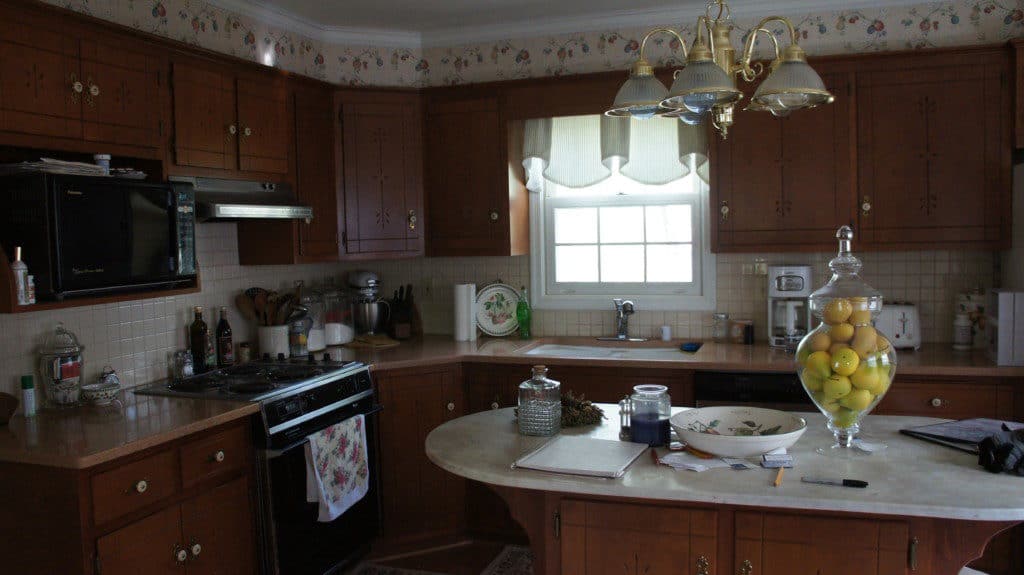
232 200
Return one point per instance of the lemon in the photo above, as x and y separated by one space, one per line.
884 381
866 377
860 317
831 405
857 400
837 386
882 344
837 311
836 347
812 381
865 338
845 361
818 363
841 332
820 341
844 418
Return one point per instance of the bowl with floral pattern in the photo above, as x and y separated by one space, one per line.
734 431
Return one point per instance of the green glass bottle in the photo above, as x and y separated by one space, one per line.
523 315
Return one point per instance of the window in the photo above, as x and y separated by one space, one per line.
619 237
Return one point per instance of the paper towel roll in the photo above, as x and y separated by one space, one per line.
465 312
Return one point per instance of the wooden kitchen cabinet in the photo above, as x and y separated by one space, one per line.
603 538
933 151
153 542
476 195
382 165
229 123
950 398
784 184
420 501
316 178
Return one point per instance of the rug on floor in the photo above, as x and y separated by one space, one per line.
513 560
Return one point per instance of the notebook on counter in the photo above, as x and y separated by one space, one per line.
576 455
964 435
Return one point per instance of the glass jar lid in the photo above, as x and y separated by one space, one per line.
60 341
846 283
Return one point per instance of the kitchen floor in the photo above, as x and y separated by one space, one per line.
471 558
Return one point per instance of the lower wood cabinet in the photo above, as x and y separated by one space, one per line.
420 501
951 398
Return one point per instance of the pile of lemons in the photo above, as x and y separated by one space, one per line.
846 366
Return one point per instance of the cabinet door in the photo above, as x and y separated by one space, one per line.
623 539
205 126
383 178
780 544
468 184
122 93
930 150
264 135
315 183
785 181
38 76
420 500
219 525
146 547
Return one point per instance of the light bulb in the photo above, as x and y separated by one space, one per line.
691 118
700 102
643 112
788 101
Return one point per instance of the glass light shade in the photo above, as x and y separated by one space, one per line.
639 97
700 86
794 85
686 116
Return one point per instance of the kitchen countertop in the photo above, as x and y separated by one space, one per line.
910 478
932 359
87 436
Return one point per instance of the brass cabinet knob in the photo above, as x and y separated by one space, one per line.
219 456
180 555
493 215
724 210
703 566
451 406
94 90
232 129
937 402
247 131
141 486
494 405
196 549
77 87
412 219
746 568
865 206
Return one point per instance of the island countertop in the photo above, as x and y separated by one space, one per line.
910 478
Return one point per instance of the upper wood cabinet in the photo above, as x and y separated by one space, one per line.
382 164
934 151
227 122
66 87
476 197
783 184
316 179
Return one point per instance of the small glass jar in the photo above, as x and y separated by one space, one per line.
61 367
298 337
183 367
650 409
720 328
540 404
338 327
316 337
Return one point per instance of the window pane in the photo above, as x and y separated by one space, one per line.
670 263
669 223
622 263
575 264
622 225
576 225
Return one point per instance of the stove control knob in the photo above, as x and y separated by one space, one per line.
311 359
280 357
327 358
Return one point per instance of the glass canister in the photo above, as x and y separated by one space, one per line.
60 368
720 328
845 364
338 327
316 337
540 404
650 409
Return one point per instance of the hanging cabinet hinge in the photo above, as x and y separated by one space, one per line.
558 524
912 553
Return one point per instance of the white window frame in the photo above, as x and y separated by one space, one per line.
699 297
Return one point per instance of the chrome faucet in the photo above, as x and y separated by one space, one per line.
623 309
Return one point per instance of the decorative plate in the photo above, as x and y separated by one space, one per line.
496 309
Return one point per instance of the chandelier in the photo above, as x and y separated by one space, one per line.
706 86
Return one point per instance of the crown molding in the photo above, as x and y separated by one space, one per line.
265 11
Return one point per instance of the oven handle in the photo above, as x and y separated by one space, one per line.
275 453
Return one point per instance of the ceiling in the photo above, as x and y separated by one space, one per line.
416 23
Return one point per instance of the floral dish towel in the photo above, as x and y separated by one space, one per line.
337 467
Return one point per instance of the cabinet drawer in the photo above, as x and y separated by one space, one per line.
214 456
953 401
133 486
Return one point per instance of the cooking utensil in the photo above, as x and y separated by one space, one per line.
251 292
260 303
245 305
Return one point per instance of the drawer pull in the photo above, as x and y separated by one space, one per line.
219 456
494 405
937 402
196 549
141 486
232 130
451 406
747 568
703 566
247 131
180 555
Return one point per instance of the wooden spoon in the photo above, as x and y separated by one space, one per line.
260 303
245 305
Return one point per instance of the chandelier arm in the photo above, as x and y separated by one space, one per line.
743 66
704 23
670 32
723 8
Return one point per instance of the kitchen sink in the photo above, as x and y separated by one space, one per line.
607 352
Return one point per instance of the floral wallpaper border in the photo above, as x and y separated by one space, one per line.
937 24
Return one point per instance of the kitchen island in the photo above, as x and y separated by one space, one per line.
928 508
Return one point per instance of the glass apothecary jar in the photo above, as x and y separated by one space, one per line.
540 404
845 364
60 368
650 410
338 326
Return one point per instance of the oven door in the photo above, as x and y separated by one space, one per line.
298 544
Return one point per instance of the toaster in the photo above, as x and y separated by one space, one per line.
900 322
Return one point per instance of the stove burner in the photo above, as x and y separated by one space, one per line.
249 386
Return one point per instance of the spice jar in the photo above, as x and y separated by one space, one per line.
720 328
540 404
60 368
650 409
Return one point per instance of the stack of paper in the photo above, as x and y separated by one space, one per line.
683 460
583 456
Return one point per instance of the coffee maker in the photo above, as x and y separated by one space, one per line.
789 315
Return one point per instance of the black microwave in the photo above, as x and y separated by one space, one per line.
85 235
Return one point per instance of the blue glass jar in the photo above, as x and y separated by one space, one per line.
650 409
